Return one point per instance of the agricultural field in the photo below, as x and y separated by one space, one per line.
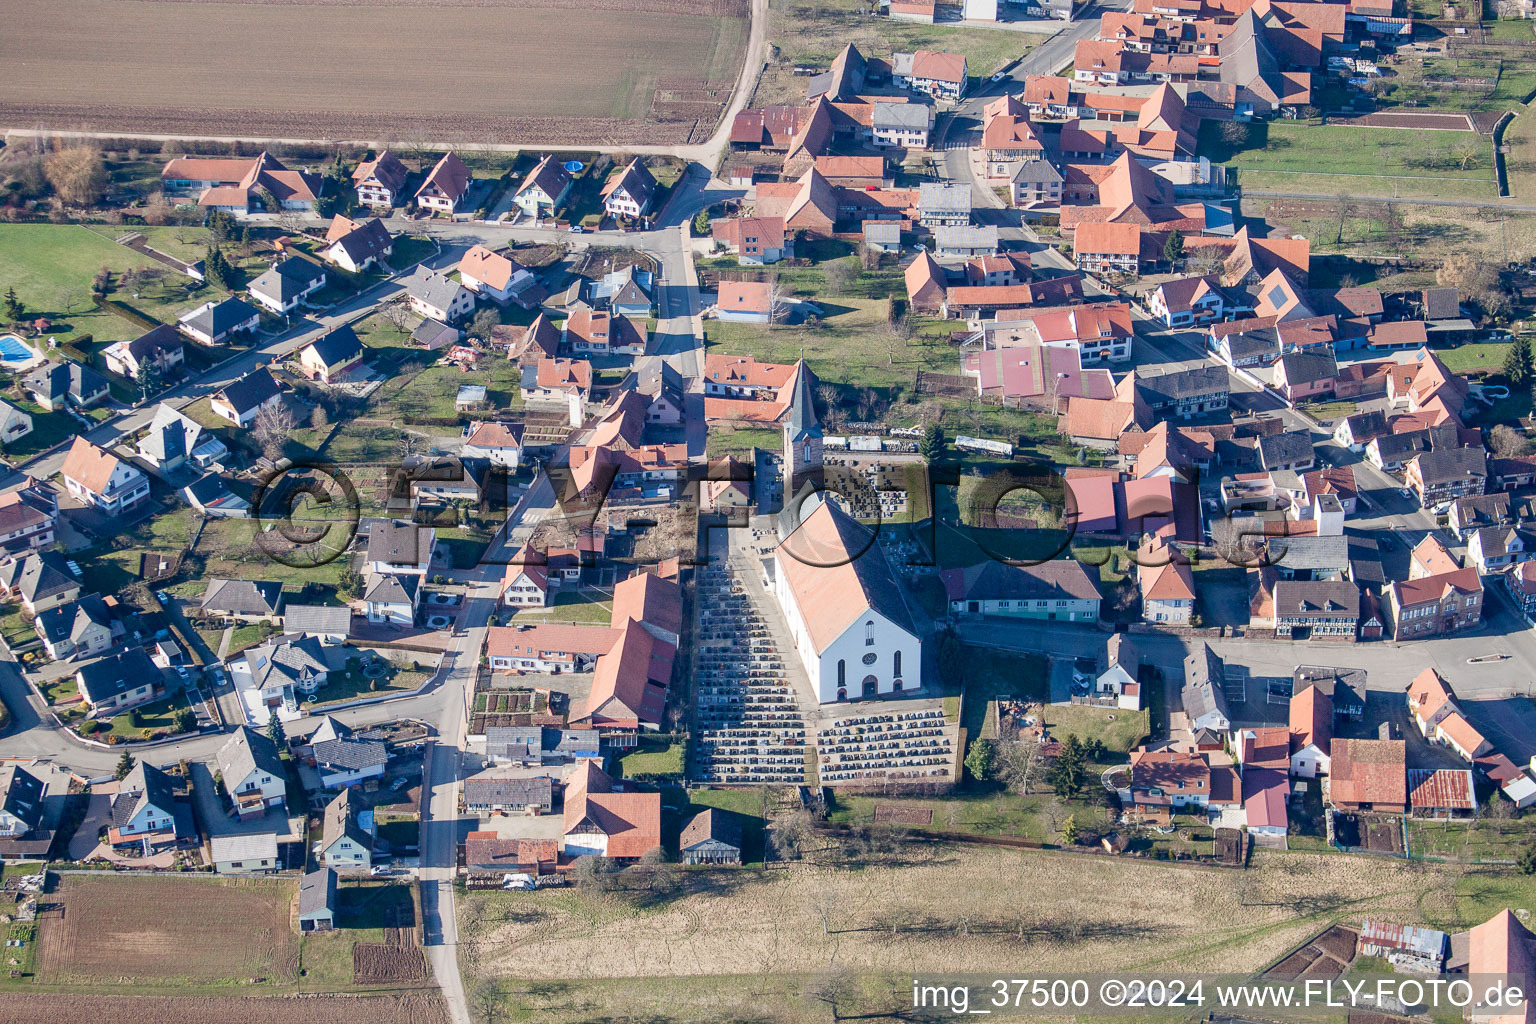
1400 230
622 71
1376 162
1520 161
124 932
736 944
59 1008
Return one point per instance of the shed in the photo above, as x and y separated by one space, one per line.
712 837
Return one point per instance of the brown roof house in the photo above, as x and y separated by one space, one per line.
107 483
544 190
603 822
630 192
379 181
1368 775
446 185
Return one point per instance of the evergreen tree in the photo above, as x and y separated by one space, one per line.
1517 361
979 761
1173 248
14 307
1526 861
1069 830
275 732
1068 775
216 267
931 444
125 764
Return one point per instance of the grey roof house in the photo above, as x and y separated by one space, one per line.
246 600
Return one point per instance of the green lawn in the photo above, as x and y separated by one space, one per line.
248 635
1328 159
1464 359
1119 730
353 685
1511 30
146 720
653 759
740 441
568 606
1486 839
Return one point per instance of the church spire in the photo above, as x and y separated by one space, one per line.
802 408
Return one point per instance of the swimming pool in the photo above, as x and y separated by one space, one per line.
13 350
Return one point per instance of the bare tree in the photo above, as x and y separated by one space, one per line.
778 302
74 298
318 419
790 834
834 987
869 257
840 276
1020 763
271 429
1343 209
1507 442
396 314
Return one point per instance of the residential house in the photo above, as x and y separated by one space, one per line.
748 302
1468 515
508 791
1520 581
437 296
401 548
445 185
1166 584
1120 681
332 355
1311 732
213 323
1204 695
1368 775
232 185
1501 947
1306 376
659 383
559 381
21 801
934 72
1188 301
253 773
243 600
15 422
345 845
275 675
547 648
1435 605
501 444
965 240
1186 393
1316 610
354 246
27 519
1443 475
1167 782
343 759
110 485
1344 687
77 629
43 580
943 204
1035 183
588 332
754 240
630 192
1101 247
392 599
287 284
544 190
1291 450
172 439
145 811
603 821
241 401
248 853
495 276
901 125
58 385
118 681
1496 547
1059 590
625 292
380 180
651 602
330 624
161 348
711 837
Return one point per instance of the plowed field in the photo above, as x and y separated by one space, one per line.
474 70
51 1008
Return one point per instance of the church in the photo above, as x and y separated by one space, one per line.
840 598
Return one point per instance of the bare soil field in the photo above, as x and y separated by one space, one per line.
376 963
534 71
167 931
54 1008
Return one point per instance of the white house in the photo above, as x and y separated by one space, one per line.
345 844
844 609
545 188
400 548
493 275
249 853
392 599
437 296
15 422
355 246
1118 681
173 439
345 760
145 805
272 677
21 801
501 444
629 193
253 773
102 480
212 323
241 401
161 347
285 286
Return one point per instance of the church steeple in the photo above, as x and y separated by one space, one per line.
802 408
802 437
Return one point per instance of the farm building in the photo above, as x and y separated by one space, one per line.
317 901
